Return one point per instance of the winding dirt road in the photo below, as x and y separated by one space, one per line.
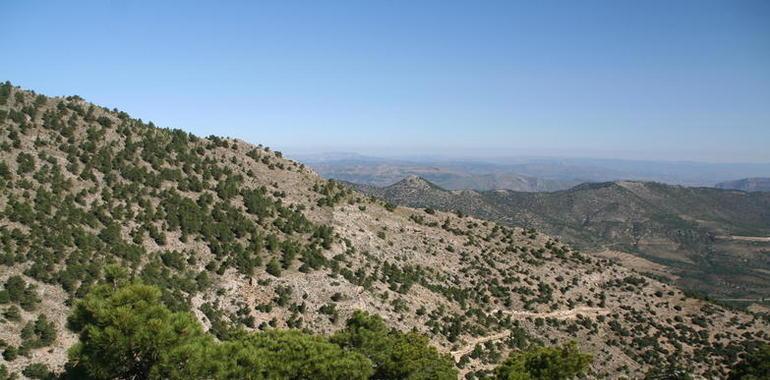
760 239
468 348
586 311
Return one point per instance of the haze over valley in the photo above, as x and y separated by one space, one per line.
523 173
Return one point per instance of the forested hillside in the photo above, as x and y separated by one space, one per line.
234 244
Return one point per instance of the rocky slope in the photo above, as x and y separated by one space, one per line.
237 234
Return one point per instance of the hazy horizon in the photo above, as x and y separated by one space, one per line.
389 169
490 156
659 81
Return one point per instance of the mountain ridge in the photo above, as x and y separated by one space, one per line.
449 175
239 235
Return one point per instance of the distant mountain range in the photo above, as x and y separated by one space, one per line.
746 184
522 174
710 240
453 176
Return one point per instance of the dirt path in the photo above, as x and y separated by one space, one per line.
558 314
744 299
468 348
761 239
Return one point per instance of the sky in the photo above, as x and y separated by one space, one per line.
657 80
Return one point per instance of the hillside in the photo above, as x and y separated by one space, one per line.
746 184
237 234
709 240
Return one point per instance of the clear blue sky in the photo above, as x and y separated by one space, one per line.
670 80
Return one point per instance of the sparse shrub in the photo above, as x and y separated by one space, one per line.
37 371
25 163
273 267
